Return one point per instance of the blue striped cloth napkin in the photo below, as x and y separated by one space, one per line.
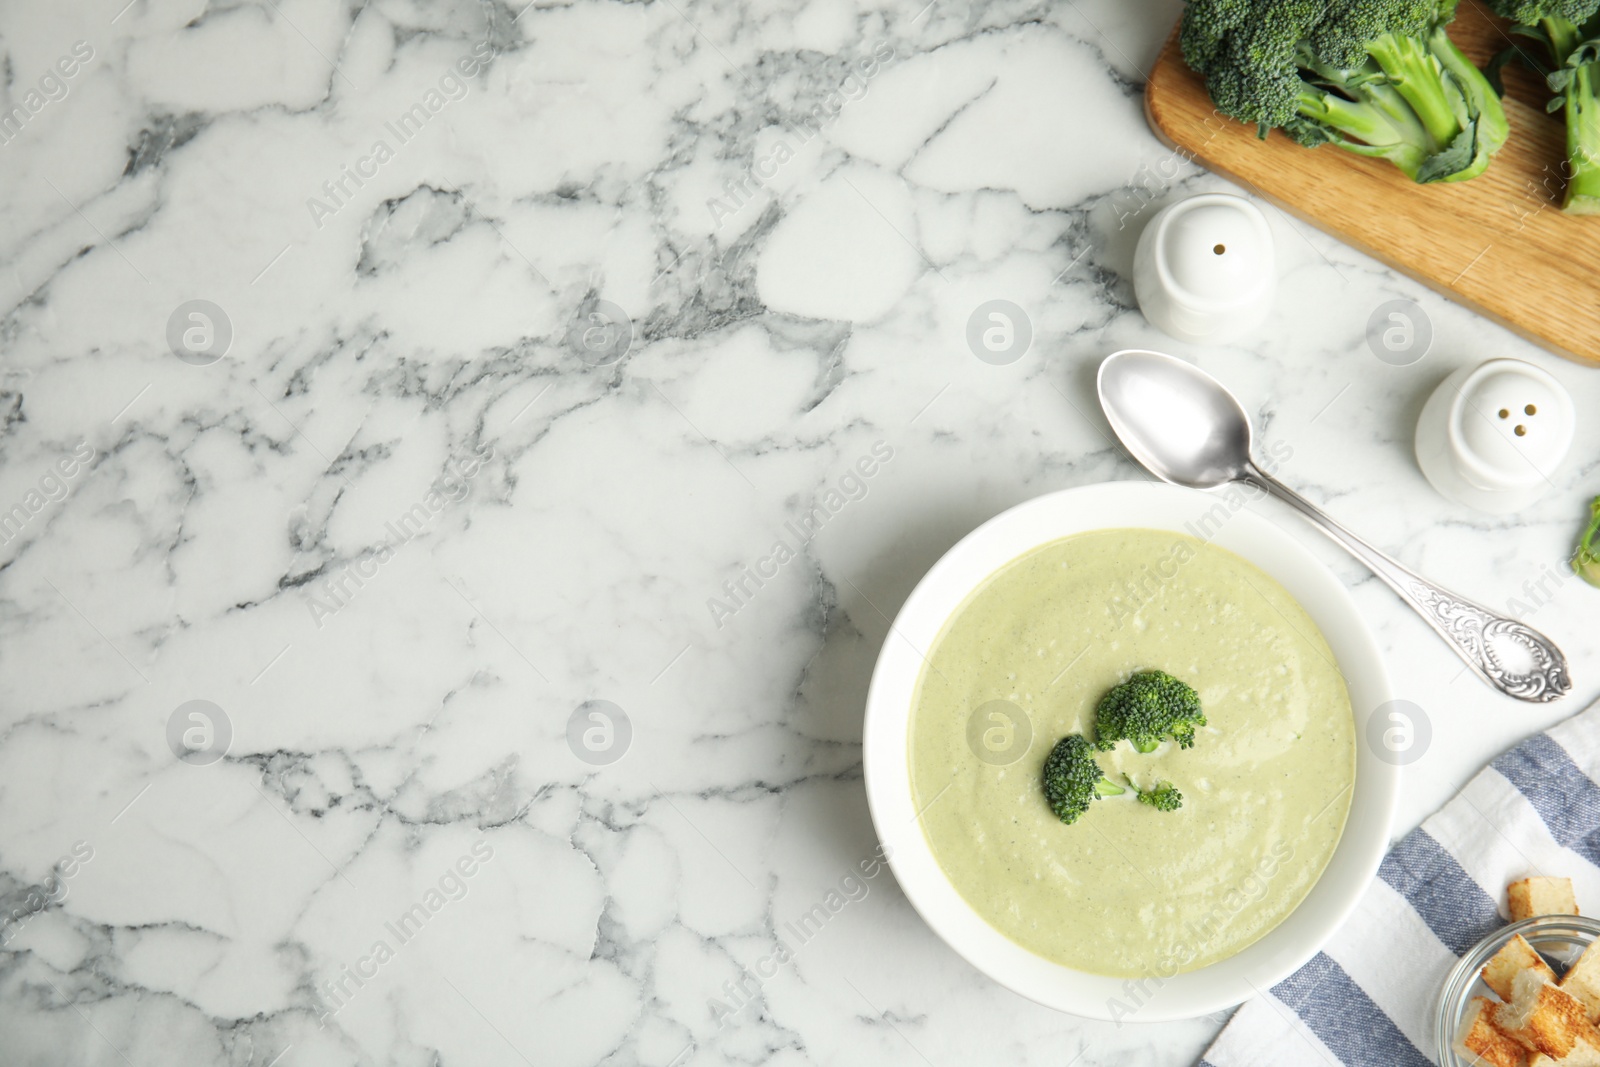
1368 998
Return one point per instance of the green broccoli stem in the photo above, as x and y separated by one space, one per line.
1105 787
1415 72
1410 103
1382 125
1370 109
1563 35
1481 99
1583 119
1583 143
1586 561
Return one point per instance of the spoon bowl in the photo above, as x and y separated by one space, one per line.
1175 419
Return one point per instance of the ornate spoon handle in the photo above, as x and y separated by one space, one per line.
1511 656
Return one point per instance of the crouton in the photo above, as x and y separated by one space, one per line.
1517 955
1478 1042
1542 1018
1582 1055
1541 896
1583 981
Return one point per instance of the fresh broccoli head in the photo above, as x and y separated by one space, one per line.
1072 778
1586 562
1569 30
1146 708
1376 77
1163 796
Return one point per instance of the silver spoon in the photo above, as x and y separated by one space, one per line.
1186 428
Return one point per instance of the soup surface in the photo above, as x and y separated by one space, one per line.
1128 890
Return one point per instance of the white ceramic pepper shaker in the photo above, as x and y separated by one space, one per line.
1205 269
1492 436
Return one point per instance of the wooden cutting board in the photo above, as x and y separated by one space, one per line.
1498 244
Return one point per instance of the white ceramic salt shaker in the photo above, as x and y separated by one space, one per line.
1492 436
1205 269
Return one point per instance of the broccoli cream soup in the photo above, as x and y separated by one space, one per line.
1127 890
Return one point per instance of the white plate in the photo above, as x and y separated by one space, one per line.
888 779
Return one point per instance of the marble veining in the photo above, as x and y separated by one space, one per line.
402 406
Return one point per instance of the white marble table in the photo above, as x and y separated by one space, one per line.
409 493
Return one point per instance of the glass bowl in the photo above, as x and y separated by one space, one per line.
1560 939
